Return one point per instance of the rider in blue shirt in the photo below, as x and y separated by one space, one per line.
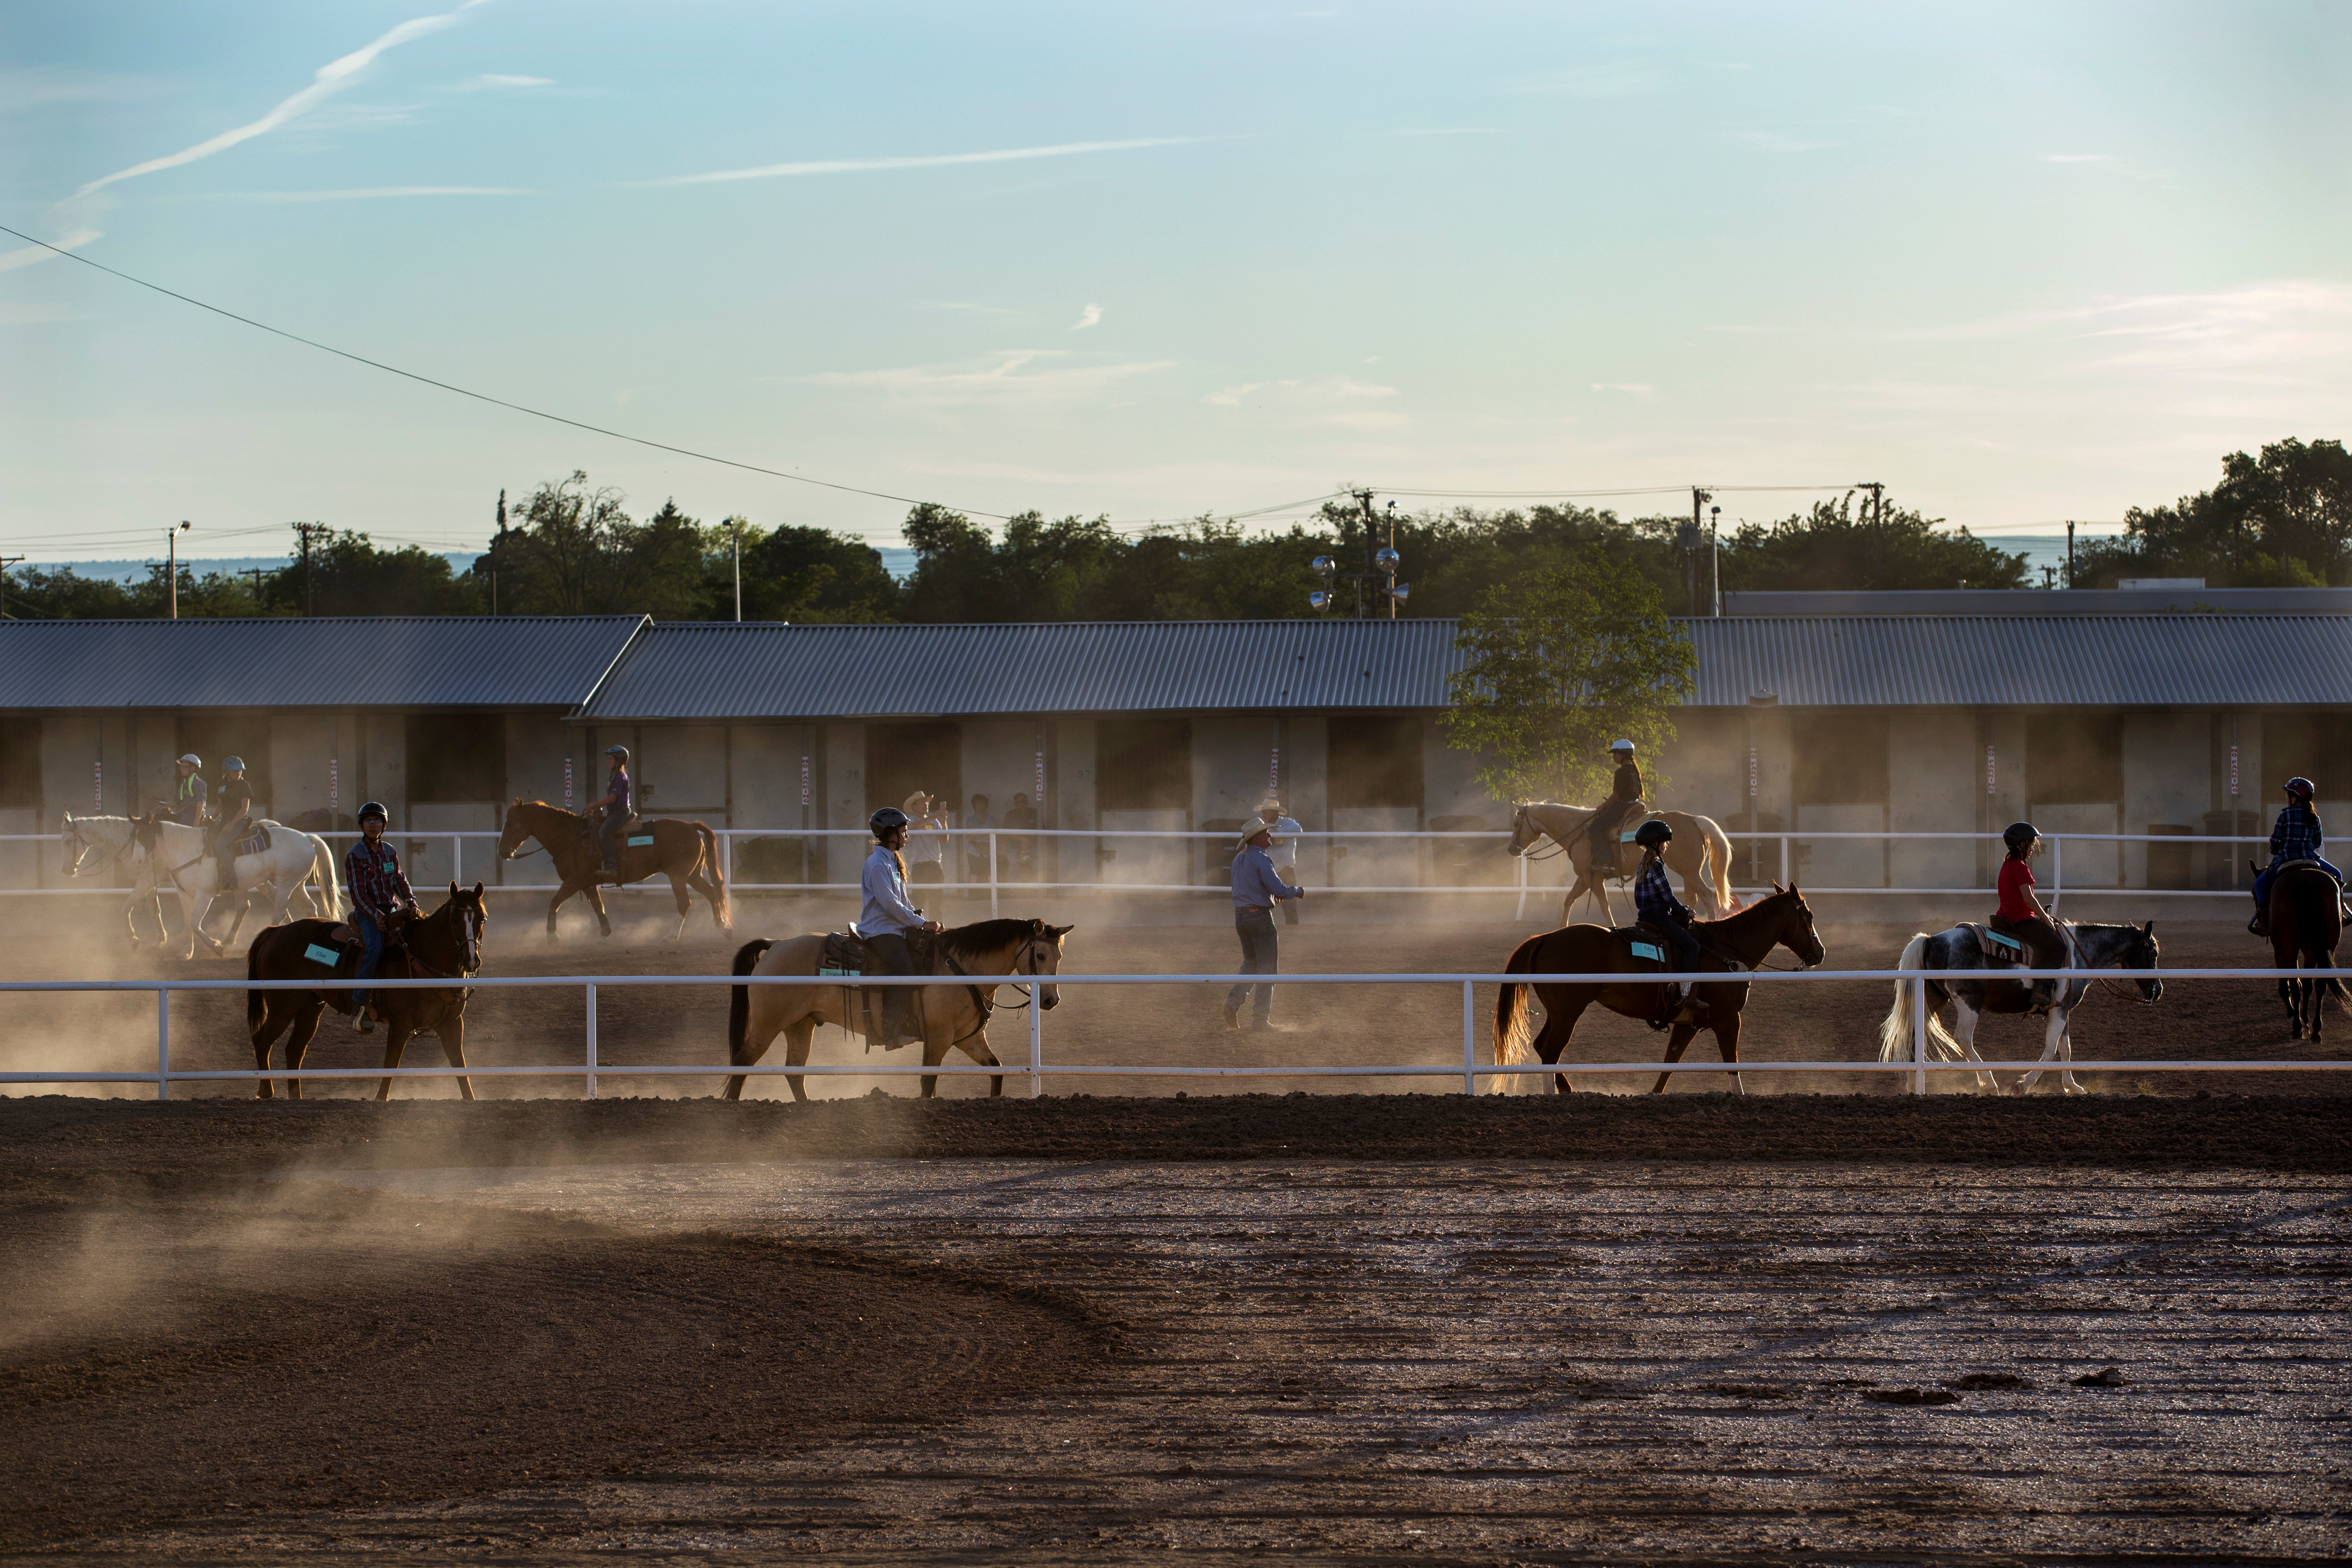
2296 835
1256 890
1656 906
887 917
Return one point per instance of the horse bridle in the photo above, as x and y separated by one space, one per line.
1519 814
82 846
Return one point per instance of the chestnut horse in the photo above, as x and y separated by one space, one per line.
446 945
1780 920
685 852
2307 924
953 1016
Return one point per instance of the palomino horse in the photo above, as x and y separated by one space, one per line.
164 853
1780 920
685 852
444 945
1699 853
2307 924
1973 992
953 1016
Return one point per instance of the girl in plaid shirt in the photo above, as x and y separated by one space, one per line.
2295 836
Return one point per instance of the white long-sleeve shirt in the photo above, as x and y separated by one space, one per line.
1285 851
887 909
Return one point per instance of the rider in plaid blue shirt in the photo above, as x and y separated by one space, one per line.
1656 906
2295 836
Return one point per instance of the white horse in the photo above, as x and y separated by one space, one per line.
158 854
1975 987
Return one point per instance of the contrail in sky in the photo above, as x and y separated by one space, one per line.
937 161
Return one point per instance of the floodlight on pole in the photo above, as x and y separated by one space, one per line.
171 566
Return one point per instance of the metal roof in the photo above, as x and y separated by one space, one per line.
454 661
1994 661
744 672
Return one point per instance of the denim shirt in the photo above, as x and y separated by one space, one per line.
1255 886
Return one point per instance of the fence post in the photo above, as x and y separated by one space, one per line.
1784 859
1036 1031
591 1039
456 858
2057 872
1469 1040
1520 913
991 889
1919 1032
163 1042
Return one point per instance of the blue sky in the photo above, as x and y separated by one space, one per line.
2021 263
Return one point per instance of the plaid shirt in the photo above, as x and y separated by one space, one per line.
1653 898
377 884
2296 836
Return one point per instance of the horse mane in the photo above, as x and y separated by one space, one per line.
1755 909
987 936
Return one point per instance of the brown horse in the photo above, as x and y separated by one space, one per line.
1780 920
1699 853
2307 924
446 945
685 852
952 1016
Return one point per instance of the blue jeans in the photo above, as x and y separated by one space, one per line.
2263 880
372 939
608 833
1684 946
1260 948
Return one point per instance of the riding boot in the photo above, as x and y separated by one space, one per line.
2042 996
2260 924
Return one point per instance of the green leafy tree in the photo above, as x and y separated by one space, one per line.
1561 662
349 576
570 550
1836 545
2279 520
801 575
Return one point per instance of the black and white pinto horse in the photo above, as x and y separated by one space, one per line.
1975 987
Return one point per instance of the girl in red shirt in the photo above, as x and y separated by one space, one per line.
2021 915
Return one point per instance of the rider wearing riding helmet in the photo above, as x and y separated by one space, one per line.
232 806
2020 912
2295 836
1624 794
1654 905
619 795
188 794
887 917
379 890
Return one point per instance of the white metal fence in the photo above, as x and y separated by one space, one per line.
1000 861
591 1068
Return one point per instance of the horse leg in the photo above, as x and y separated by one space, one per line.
709 892
2292 1003
678 891
1677 1043
934 1051
274 1019
397 1028
2052 1037
452 1045
1560 1027
1727 1040
796 1052
760 1032
1965 1034
555 904
596 903
977 1048
307 1009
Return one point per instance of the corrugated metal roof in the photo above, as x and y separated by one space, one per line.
730 671
2090 661
359 662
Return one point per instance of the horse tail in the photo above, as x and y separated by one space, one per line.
1895 1032
322 870
1514 1024
256 1004
739 997
718 869
1718 867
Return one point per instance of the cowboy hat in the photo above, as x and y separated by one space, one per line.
1268 804
917 804
1250 834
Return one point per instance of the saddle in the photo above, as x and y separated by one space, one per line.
843 957
1608 851
1645 944
259 844
339 962
1997 946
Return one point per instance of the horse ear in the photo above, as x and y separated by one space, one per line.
477 892
1061 932
2148 930
453 889
1777 888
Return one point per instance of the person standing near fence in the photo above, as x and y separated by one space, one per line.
978 823
1021 814
1283 851
1256 890
927 841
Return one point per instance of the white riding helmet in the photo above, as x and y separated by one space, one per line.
193 760
1615 746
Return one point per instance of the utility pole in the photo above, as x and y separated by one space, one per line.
1715 561
1700 498
310 596
254 573
1364 497
172 563
1877 519
5 562
2070 554
735 551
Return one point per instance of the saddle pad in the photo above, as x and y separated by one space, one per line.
841 975
2008 942
1627 837
636 839
1648 950
256 844
317 954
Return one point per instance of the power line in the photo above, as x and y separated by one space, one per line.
479 396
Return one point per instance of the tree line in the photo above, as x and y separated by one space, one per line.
573 548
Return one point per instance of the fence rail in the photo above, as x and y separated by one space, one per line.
1004 876
591 1068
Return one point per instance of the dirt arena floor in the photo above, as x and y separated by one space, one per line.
1103 1025
1799 1326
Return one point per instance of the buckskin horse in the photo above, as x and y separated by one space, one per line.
1699 853
685 852
952 1016
1975 986
446 945
1780 921
2307 924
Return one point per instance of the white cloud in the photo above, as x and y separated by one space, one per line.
1773 142
937 161
329 80
491 81
1619 79
1231 396
372 193
41 86
26 254
1091 316
1011 376
2281 323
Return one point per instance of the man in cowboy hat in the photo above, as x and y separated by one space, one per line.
1256 890
1284 851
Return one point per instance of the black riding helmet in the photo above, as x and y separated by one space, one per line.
2020 835
620 752
886 819
374 808
1653 835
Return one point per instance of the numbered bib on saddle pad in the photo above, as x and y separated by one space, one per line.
2007 944
1627 837
638 839
841 975
1648 950
325 955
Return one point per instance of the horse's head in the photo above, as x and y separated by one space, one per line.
513 833
145 831
466 916
2144 954
1524 832
1794 929
77 844
1041 953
